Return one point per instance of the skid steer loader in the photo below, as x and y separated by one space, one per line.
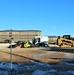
65 41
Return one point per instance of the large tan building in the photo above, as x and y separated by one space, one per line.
18 35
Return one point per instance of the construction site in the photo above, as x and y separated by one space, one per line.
43 55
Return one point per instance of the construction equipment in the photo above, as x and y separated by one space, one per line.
40 41
35 42
21 44
27 44
66 40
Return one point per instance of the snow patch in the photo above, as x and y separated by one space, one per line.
71 72
70 64
7 65
39 72
42 64
52 70
46 53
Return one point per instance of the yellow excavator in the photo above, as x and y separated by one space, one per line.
65 41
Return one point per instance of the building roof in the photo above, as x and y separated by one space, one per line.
20 30
52 36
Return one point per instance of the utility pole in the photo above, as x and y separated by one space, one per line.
10 35
11 56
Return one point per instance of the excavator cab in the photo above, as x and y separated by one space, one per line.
67 36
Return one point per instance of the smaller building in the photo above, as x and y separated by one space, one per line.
52 39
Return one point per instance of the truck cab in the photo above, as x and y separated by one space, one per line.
40 41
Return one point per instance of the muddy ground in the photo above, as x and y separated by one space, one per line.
45 55
46 60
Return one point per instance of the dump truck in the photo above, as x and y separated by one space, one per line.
65 41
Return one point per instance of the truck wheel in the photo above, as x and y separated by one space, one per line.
37 45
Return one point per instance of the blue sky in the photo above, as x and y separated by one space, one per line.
52 17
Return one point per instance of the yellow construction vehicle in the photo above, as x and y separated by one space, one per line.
65 41
27 44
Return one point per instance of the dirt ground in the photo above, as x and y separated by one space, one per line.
45 55
50 60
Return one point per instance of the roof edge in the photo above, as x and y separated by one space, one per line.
18 30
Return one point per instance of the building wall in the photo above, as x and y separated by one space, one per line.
21 35
52 39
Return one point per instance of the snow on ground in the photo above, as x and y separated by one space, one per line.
42 54
40 72
35 69
70 64
71 72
